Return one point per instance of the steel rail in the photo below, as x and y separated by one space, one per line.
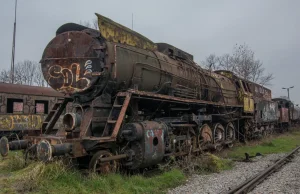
251 183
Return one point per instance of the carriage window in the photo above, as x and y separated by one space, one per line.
41 107
14 105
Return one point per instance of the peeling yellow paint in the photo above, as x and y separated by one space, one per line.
21 122
115 32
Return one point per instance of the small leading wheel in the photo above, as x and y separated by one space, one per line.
97 166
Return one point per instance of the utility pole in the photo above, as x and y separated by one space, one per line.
288 90
12 66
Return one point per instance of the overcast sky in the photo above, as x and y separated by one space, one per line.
270 27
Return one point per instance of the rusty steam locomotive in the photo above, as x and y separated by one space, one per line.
136 102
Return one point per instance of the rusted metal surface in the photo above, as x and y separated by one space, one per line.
261 92
171 98
121 115
284 115
104 162
284 106
266 111
257 90
66 57
153 142
252 93
149 137
244 91
154 71
78 149
71 61
205 135
86 122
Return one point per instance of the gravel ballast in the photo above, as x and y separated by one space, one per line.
226 180
286 180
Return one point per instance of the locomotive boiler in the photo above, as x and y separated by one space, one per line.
134 102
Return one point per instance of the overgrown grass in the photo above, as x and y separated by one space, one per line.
212 163
57 178
14 162
203 164
280 144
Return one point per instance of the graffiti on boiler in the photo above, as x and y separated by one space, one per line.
71 79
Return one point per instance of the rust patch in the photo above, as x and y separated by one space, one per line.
284 115
71 61
150 94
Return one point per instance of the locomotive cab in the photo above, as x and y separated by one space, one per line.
245 93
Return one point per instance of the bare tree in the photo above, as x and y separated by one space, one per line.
26 72
39 78
93 24
243 60
226 62
5 76
243 63
211 62
248 67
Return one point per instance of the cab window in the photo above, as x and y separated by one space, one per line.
245 86
249 88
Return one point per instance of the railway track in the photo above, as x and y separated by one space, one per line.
251 183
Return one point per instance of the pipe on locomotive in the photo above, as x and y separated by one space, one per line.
44 150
